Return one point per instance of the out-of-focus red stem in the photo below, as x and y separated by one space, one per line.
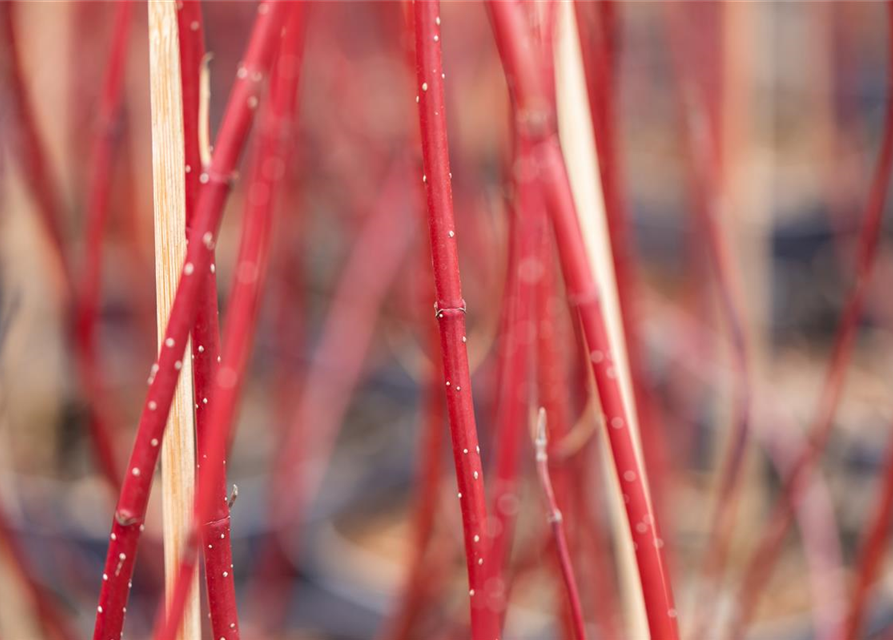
596 26
48 614
429 472
874 547
210 520
450 310
217 546
131 509
538 120
556 523
760 567
108 126
706 186
515 380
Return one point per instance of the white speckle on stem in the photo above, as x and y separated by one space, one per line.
169 342
424 86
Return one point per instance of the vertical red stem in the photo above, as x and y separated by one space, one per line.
131 509
216 547
450 311
252 261
108 125
536 116
556 522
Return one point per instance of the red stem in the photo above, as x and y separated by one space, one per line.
759 569
699 131
450 312
598 63
47 612
538 120
131 510
516 341
557 526
108 126
429 473
874 547
213 521
338 361
217 546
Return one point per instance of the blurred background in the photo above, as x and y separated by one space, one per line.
795 95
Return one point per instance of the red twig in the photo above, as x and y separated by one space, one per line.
759 569
250 276
450 312
47 612
429 473
596 23
131 509
515 381
874 547
537 119
556 523
338 361
699 131
217 549
108 123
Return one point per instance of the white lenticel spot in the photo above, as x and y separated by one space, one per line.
629 476
169 342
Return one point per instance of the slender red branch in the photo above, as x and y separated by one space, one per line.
556 523
217 546
338 359
515 381
537 119
450 310
429 473
874 547
108 126
763 560
48 614
131 510
699 130
596 23
250 276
